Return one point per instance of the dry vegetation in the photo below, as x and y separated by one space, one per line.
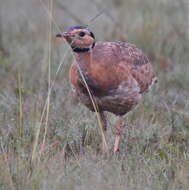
54 144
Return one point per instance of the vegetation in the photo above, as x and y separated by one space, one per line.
47 141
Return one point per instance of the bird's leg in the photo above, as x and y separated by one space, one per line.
118 130
104 129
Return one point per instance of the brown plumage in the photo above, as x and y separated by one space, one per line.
117 74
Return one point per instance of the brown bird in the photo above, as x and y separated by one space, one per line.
117 74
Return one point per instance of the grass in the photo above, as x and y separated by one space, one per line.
47 141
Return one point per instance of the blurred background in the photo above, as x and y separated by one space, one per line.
56 147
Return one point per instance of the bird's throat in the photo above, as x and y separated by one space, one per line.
84 61
82 50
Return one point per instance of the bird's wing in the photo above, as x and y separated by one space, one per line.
114 64
118 62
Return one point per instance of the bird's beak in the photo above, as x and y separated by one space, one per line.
63 35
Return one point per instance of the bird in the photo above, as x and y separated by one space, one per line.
115 74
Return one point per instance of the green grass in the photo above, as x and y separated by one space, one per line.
154 152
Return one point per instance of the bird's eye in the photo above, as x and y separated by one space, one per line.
81 34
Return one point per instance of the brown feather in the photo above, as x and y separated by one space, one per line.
117 74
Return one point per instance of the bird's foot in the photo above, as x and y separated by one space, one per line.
118 132
116 144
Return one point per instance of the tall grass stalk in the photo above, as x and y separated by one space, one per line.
49 69
47 102
48 13
19 142
20 110
96 110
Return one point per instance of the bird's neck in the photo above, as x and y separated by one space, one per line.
84 61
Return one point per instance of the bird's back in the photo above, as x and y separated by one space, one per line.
115 62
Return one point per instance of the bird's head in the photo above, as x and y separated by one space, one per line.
80 38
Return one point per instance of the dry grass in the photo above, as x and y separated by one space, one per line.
48 142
